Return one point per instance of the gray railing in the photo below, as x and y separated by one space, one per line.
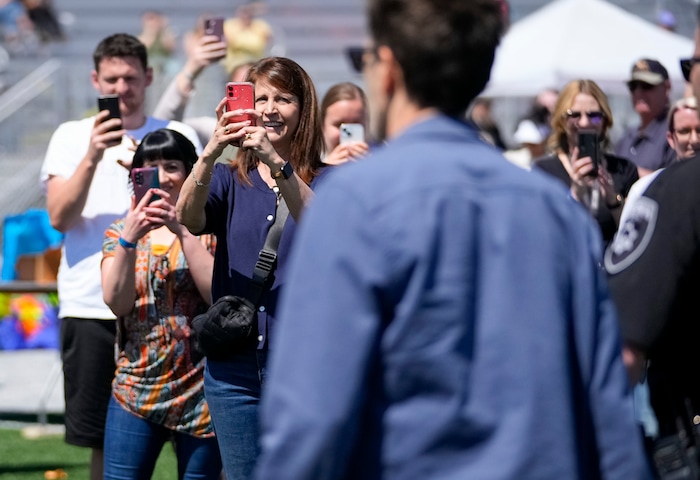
31 108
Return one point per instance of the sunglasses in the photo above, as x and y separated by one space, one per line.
687 66
644 86
357 55
596 118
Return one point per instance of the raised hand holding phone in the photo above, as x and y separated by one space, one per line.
143 179
352 145
589 146
111 104
214 26
240 96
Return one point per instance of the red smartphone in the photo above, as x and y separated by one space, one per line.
143 179
214 26
240 95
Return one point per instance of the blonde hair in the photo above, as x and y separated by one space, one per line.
558 139
687 102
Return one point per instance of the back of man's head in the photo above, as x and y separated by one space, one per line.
120 45
445 47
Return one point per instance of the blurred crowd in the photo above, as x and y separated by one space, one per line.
24 21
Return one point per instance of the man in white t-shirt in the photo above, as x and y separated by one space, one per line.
87 189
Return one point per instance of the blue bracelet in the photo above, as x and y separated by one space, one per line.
126 244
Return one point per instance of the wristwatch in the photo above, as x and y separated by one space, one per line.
285 172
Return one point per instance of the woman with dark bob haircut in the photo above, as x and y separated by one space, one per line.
164 143
280 154
156 277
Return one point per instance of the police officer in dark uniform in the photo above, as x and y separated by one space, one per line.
654 276
654 268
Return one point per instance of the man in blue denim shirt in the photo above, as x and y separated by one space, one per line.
445 317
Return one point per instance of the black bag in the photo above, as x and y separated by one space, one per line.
230 325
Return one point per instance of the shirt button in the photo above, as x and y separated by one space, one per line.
270 218
260 337
262 308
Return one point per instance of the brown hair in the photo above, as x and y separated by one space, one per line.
307 141
120 45
339 92
558 139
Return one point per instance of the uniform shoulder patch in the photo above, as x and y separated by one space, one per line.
633 237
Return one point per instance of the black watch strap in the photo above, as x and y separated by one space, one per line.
286 171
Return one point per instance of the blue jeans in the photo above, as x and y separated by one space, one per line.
232 388
133 444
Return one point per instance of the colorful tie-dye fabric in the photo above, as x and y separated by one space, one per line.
159 373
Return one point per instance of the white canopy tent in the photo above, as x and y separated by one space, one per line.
570 39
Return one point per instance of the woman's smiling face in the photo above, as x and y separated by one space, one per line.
279 112
171 175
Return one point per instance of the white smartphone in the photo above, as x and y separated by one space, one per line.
352 132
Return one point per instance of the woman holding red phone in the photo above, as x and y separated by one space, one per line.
279 156
603 183
156 276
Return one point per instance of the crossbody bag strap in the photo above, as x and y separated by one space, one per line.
267 258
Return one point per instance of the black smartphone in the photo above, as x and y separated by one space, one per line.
214 26
110 103
589 146
143 179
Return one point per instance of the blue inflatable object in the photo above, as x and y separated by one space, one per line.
28 233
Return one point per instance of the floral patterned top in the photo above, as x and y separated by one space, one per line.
159 373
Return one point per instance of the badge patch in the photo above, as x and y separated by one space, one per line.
633 237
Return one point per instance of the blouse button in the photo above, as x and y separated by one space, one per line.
270 218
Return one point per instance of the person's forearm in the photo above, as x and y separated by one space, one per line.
66 197
119 281
173 102
200 263
296 193
193 196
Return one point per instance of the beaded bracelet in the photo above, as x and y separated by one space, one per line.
125 243
197 182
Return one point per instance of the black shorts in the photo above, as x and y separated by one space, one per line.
87 352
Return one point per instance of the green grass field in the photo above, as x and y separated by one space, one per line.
30 459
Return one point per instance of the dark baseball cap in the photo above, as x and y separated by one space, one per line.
648 71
